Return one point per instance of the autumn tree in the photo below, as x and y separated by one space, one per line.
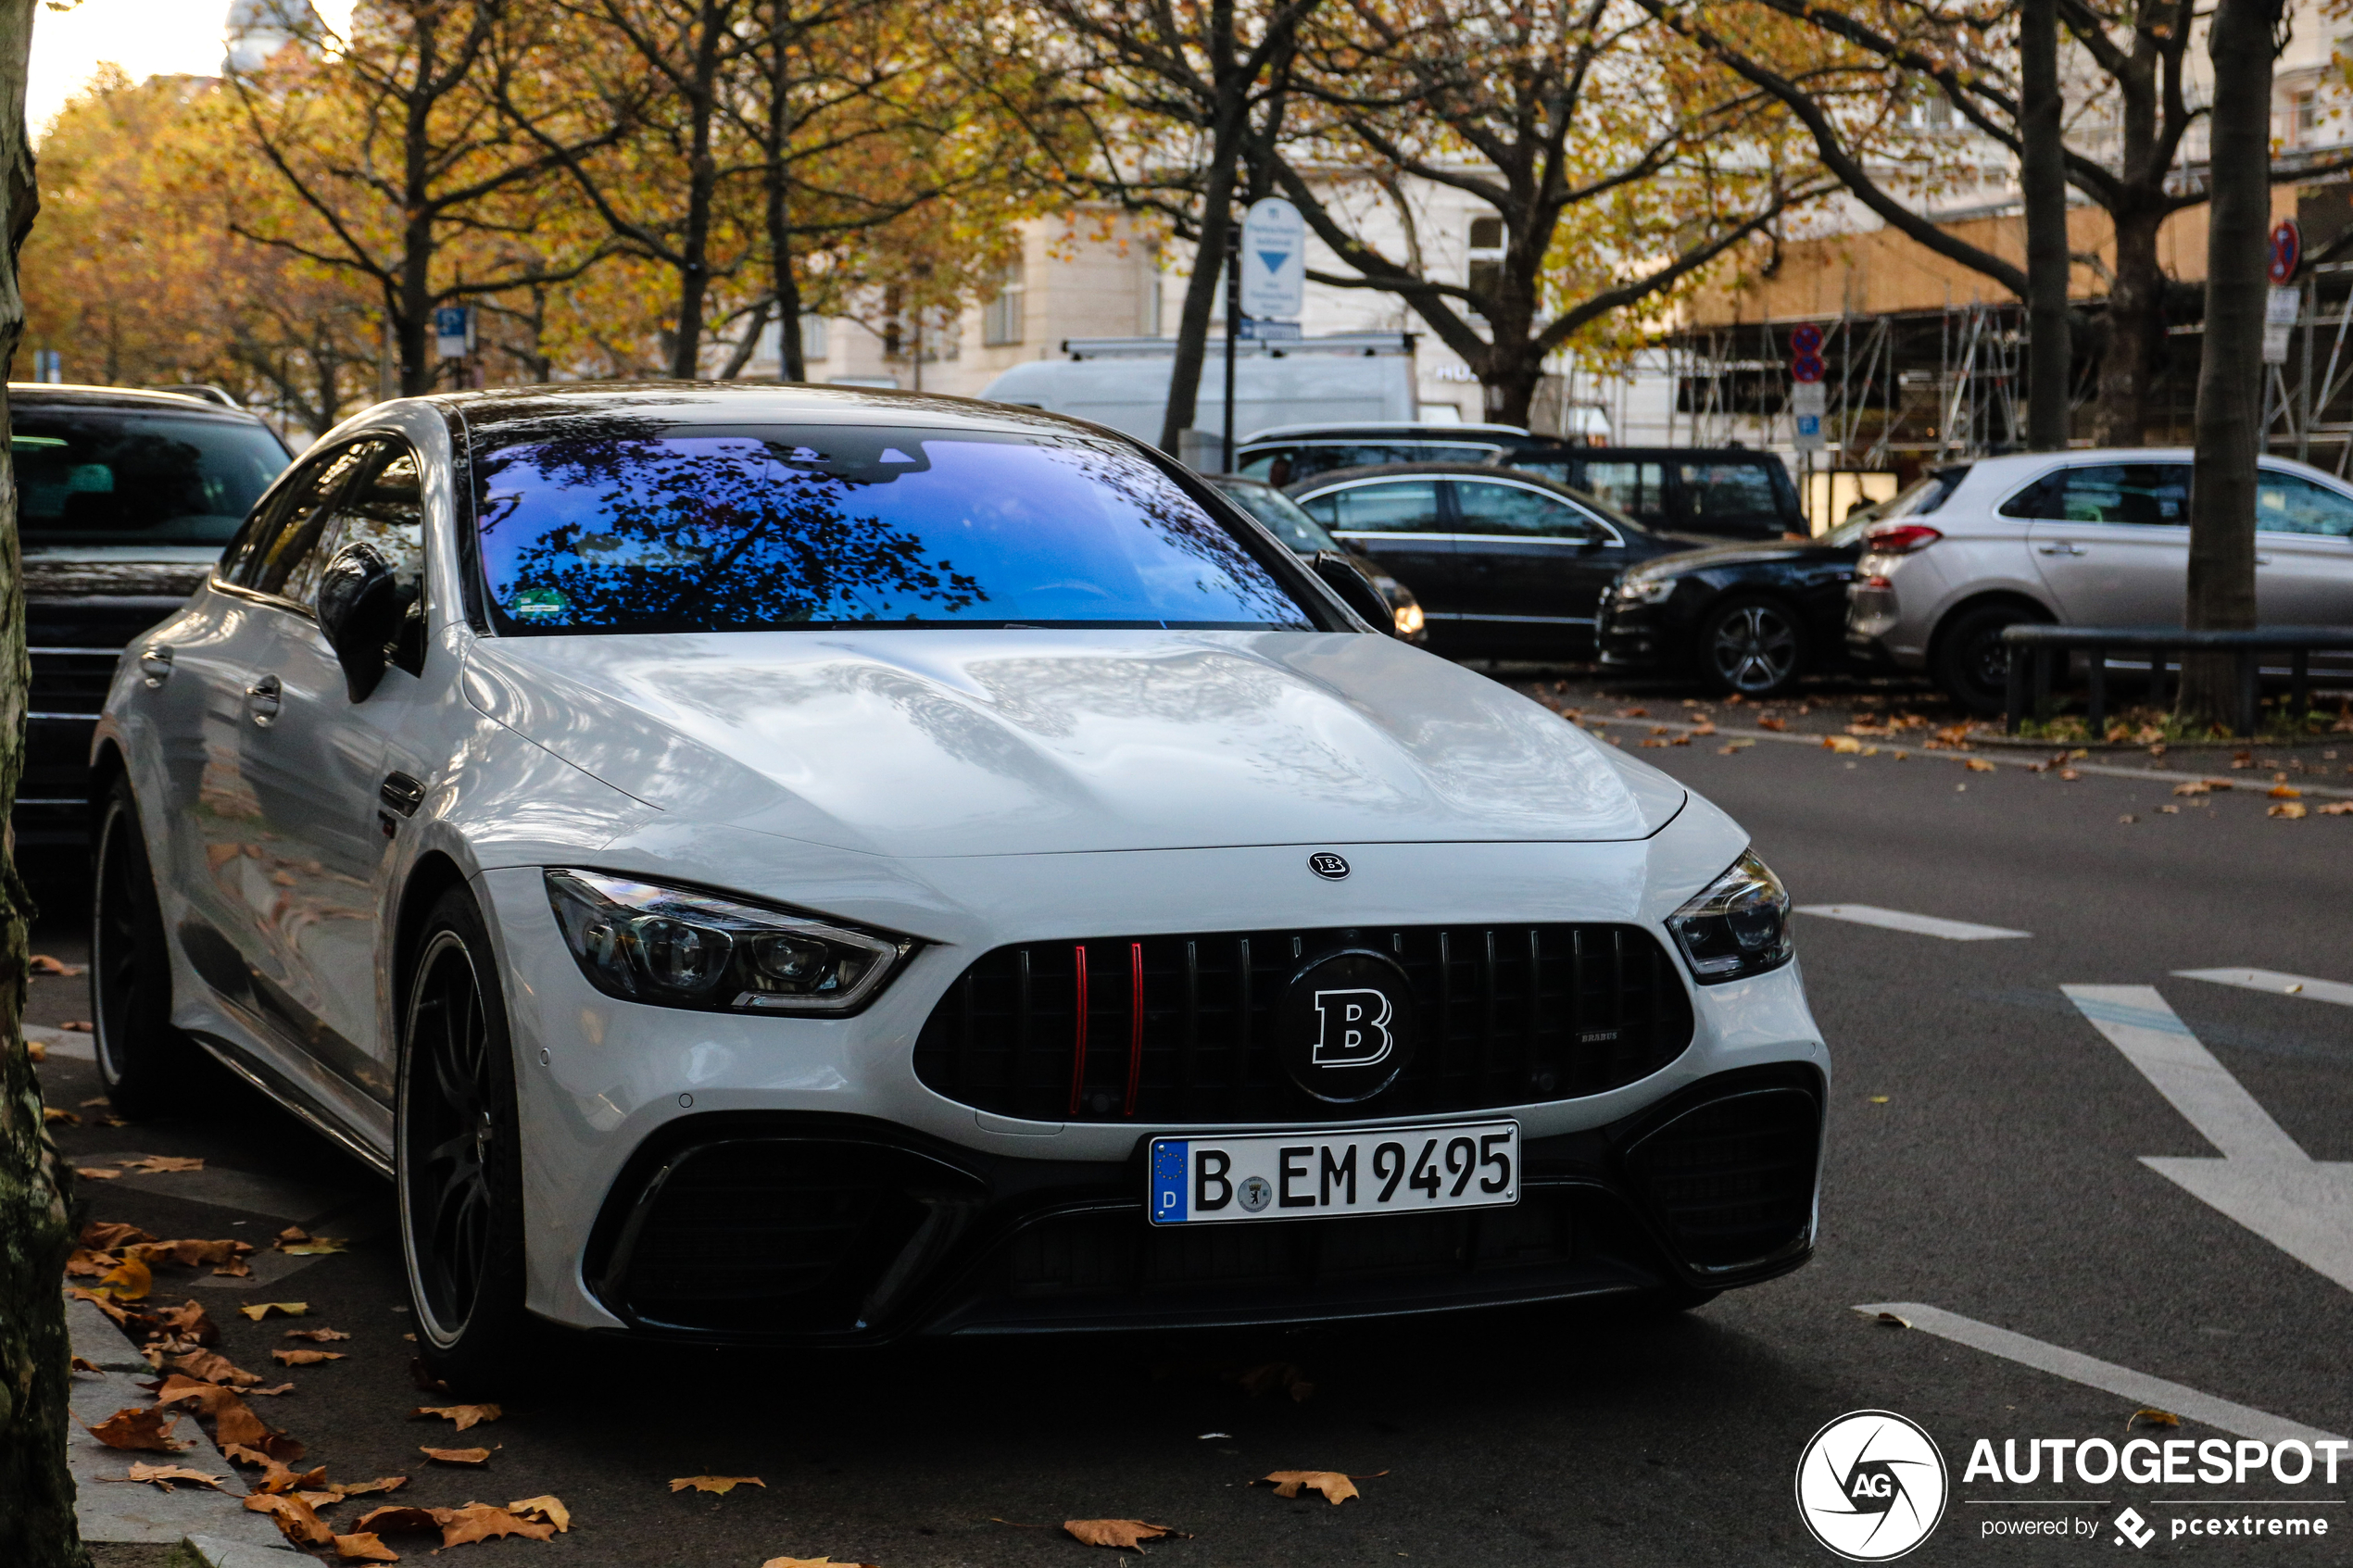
36 1492
388 146
1619 161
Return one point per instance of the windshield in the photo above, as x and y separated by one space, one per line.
832 526
111 476
1283 517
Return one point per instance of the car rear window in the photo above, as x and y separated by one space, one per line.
1289 464
107 476
708 529
1723 493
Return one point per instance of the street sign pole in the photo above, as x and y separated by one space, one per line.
1233 324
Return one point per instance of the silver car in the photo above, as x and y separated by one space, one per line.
2082 538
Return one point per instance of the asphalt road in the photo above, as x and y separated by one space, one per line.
1985 1159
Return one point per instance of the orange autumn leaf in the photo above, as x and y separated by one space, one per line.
463 1415
547 1508
457 1456
107 1234
96 1173
401 1516
361 1547
367 1489
129 1282
160 1164
52 1116
720 1484
133 1428
305 1357
813 1563
212 1367
318 1336
261 1310
296 1518
209 1398
1337 1489
481 1522
164 1476
1125 1534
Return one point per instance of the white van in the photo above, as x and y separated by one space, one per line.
1122 383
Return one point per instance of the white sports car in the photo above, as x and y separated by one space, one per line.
820 866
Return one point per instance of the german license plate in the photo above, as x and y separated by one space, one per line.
1304 1175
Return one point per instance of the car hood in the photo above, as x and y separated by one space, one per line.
1750 552
943 742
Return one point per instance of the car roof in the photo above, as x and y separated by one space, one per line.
736 403
1331 477
36 394
1375 428
2010 466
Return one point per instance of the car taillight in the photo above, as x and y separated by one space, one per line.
1899 538
1876 580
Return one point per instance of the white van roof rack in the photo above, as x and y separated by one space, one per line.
1436 430
1367 345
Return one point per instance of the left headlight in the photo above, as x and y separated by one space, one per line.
675 947
1737 927
1644 590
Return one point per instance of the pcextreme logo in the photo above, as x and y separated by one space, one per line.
1872 1486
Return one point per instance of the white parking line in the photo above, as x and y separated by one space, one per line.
2272 980
2240 1421
1920 925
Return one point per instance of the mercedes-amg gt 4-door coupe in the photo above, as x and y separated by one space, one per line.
813 865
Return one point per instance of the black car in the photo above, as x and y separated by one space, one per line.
1747 618
1503 562
1287 521
1721 492
124 501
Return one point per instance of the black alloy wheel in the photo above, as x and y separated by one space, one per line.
457 1157
144 1063
1752 647
1971 662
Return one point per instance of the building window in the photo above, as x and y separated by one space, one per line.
2307 108
813 337
1927 108
1485 254
1148 321
1000 319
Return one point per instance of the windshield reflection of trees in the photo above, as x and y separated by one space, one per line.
669 531
711 535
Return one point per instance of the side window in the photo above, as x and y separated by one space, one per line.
1400 506
1728 492
1636 489
2147 494
383 506
2288 503
1323 510
1514 512
283 541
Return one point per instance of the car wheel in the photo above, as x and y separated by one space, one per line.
144 1063
1752 647
1971 662
458 1158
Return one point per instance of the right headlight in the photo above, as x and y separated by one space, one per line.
1644 590
1737 927
682 947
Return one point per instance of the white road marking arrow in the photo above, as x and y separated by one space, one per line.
2264 1179
2280 984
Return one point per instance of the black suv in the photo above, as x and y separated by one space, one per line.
124 501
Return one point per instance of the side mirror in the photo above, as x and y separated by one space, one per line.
1344 577
360 610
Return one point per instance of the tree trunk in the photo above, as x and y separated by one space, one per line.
2230 381
1201 291
2043 173
694 244
792 364
36 1493
2135 329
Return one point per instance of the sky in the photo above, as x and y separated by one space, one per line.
144 37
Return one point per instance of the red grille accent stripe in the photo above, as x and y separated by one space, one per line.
1135 1025
1078 1055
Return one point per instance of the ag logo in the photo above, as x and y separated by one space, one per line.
1346 1026
1329 866
1870 1485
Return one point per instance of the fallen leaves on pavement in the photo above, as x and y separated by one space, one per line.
305 1357
298 1521
130 1427
51 1115
1845 745
1125 1534
362 1547
129 1281
42 963
1337 1489
2285 792
82 1363
211 1367
1776 725
163 1476
1978 765
475 1522
318 1336
2151 1416
813 1563
209 1398
2291 811
261 1310
458 1456
96 1173
463 1415
720 1484
162 1165
296 1243
367 1489
2341 808
547 1507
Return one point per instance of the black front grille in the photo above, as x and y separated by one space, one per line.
1732 1179
1183 1029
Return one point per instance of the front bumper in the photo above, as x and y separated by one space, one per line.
1636 637
836 1229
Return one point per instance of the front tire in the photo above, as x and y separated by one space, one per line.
458 1156
1972 661
1752 647
144 1063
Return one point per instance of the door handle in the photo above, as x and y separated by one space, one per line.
155 664
262 699
2062 549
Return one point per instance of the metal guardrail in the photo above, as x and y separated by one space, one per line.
2033 647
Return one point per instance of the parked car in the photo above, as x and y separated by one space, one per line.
1721 492
1289 521
2088 538
123 501
1503 562
1748 618
814 866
